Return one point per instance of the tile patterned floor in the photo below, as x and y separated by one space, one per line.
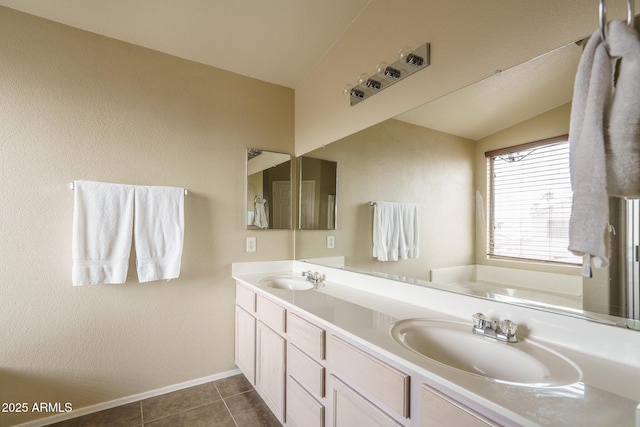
229 402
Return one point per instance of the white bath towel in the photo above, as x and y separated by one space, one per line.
261 215
102 226
158 232
395 231
623 130
590 209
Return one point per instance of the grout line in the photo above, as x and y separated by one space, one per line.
183 411
224 402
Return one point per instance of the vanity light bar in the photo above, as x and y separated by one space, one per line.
408 63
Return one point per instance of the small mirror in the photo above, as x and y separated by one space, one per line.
317 202
268 190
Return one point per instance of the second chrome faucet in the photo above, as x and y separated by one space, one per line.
315 278
503 331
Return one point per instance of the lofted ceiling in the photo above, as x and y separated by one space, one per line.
280 42
277 41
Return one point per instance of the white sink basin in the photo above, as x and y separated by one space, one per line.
292 283
524 363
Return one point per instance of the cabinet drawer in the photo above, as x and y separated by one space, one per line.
306 336
383 382
306 371
302 409
246 298
271 314
440 410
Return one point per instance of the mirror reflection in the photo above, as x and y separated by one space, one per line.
268 190
317 199
434 157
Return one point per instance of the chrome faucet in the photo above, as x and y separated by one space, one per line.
504 331
315 278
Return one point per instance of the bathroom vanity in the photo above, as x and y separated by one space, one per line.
332 353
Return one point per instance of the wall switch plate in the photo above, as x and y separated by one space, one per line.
251 244
331 242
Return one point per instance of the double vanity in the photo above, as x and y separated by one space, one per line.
331 347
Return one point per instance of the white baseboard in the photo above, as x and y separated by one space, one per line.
124 400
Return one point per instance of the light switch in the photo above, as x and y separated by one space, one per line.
251 244
331 242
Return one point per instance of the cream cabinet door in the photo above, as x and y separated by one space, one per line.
303 410
246 343
350 409
270 369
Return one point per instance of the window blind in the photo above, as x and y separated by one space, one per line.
529 202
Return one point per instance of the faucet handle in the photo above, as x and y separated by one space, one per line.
508 327
478 320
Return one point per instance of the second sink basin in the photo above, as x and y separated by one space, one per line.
292 283
524 363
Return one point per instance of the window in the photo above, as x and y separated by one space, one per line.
529 202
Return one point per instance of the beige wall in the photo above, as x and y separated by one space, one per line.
74 105
423 166
470 40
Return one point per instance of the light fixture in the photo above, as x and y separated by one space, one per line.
409 61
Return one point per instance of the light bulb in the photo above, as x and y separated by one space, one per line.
404 53
347 89
381 67
362 78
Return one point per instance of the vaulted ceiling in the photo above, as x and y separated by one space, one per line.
277 41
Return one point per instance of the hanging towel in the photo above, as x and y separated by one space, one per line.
261 217
158 232
395 231
604 138
623 130
590 208
102 226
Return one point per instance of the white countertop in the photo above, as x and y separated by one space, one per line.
363 308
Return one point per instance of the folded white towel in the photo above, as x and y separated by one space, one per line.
102 225
623 130
158 232
395 231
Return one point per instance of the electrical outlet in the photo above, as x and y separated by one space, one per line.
251 244
331 242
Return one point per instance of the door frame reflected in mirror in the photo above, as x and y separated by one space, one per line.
317 193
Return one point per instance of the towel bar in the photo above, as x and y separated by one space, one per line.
72 187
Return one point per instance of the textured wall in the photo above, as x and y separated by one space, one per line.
74 105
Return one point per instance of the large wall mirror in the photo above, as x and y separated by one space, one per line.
268 190
434 156
317 199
